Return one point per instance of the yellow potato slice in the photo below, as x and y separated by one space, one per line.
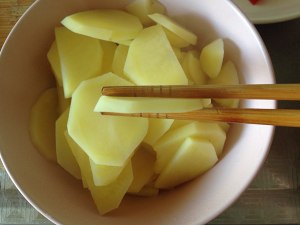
166 146
53 58
228 75
141 9
146 105
105 139
211 58
174 27
109 49
104 24
194 69
151 60
108 197
65 157
193 157
142 167
175 40
119 60
42 123
80 58
157 128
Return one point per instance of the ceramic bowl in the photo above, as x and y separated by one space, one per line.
25 73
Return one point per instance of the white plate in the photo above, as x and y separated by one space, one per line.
270 11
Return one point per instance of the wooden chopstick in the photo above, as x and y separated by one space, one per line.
249 91
277 117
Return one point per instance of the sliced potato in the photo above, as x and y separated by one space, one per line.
175 40
211 58
65 157
194 157
146 105
80 58
174 27
194 69
142 167
109 49
151 60
106 197
104 24
53 58
228 75
105 139
166 146
42 123
119 60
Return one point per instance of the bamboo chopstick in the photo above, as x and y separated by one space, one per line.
277 117
249 91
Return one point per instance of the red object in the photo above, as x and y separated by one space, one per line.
253 1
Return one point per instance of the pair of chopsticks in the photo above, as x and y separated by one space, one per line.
277 117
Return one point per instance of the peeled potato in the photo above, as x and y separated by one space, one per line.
109 49
193 157
211 58
104 24
105 139
65 157
194 69
80 58
119 60
175 40
166 146
42 123
174 27
106 197
53 58
151 60
143 168
146 105
228 75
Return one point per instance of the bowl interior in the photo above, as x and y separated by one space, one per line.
25 73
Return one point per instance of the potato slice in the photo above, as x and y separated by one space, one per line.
228 75
166 146
104 24
141 9
53 58
109 49
105 139
42 123
80 58
194 69
65 157
142 167
175 40
106 197
146 105
157 128
194 157
119 60
151 60
211 58
174 27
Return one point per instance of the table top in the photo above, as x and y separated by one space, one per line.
274 195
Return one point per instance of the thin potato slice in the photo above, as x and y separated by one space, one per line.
194 157
228 75
119 60
42 123
174 27
65 157
109 49
104 24
105 139
146 105
211 58
152 61
80 58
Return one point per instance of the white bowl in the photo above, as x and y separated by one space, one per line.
25 73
